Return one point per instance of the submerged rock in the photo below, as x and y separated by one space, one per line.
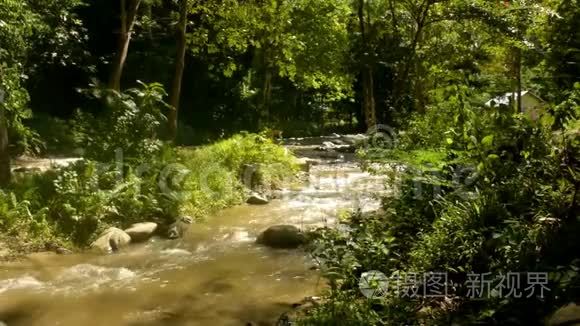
328 145
282 236
21 283
60 250
256 199
305 163
355 139
26 169
141 231
178 228
111 240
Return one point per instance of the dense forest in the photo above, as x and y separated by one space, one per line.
469 110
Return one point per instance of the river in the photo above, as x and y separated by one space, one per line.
214 275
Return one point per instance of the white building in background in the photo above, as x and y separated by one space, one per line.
532 105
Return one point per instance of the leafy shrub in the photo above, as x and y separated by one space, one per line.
61 137
130 126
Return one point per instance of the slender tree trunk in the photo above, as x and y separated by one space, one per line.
368 105
5 174
420 96
128 16
519 80
4 153
175 93
370 112
394 21
515 63
267 95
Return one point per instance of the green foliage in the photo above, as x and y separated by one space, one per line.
467 222
514 211
22 24
75 203
129 128
343 308
58 136
218 172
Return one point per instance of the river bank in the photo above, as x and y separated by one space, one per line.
68 207
215 274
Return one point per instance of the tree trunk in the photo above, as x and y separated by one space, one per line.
128 16
175 93
394 21
420 96
368 105
519 80
4 153
267 95
369 99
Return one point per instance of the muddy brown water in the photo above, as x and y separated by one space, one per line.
215 275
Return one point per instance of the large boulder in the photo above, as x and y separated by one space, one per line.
282 237
140 232
179 227
257 199
111 240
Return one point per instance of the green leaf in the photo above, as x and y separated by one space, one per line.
487 141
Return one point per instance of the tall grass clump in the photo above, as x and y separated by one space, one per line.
219 175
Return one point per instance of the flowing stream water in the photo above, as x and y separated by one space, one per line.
214 275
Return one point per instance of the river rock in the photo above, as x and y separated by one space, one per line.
282 236
303 164
26 169
54 247
257 199
140 232
345 149
63 251
178 228
355 140
111 240
567 315
328 145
